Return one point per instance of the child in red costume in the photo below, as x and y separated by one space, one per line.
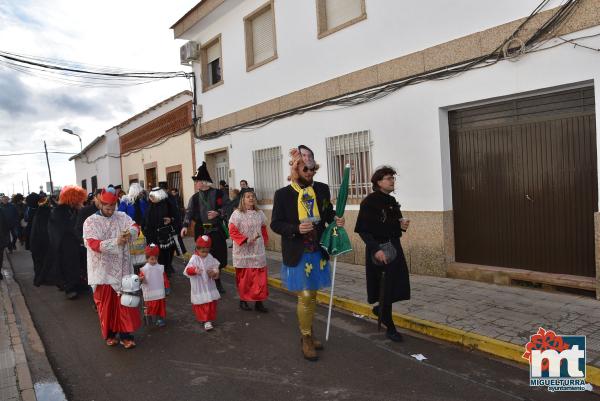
203 270
155 286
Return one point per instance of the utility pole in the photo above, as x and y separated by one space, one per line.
49 172
28 191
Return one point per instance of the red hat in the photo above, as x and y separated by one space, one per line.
203 241
152 250
109 196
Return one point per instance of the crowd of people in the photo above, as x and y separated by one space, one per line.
118 244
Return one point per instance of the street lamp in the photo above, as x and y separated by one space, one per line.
70 132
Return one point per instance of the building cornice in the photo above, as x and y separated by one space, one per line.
192 17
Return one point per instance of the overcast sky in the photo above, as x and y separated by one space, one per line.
129 34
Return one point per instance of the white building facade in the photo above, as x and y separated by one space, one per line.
278 74
98 164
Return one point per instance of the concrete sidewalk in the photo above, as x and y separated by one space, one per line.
488 317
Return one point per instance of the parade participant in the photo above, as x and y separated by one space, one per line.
38 242
300 212
203 270
248 230
380 226
107 234
65 269
158 226
205 210
134 204
32 205
155 286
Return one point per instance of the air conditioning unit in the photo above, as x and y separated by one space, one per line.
188 53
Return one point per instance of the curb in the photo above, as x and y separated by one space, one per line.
467 339
24 381
50 388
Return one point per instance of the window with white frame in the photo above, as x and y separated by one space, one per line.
261 45
333 15
268 176
353 149
212 63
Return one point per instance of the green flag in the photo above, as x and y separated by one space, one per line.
335 239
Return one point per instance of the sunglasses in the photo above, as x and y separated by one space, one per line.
306 169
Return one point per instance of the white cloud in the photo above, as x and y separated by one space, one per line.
126 34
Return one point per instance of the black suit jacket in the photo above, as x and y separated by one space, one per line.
285 220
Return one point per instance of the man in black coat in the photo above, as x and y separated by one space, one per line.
380 225
301 211
159 226
205 209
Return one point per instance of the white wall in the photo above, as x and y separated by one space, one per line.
409 128
392 29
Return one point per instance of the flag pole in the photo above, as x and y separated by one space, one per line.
331 298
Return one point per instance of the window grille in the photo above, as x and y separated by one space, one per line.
268 176
353 149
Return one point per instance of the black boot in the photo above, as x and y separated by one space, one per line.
244 305
259 307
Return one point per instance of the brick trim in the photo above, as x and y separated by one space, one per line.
168 123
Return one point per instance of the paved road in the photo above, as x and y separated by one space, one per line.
256 357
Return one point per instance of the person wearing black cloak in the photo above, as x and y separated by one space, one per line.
380 226
65 269
205 209
38 239
159 226
31 201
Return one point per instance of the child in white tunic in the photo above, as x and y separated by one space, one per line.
155 286
203 270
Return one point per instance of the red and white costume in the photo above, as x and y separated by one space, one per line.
154 283
107 263
249 257
204 293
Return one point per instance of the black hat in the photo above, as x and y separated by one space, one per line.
202 174
163 184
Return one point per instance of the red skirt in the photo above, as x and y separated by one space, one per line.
157 307
252 283
206 312
114 317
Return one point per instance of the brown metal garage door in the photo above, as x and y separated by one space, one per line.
524 183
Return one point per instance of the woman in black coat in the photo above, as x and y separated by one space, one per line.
65 268
158 222
38 240
380 226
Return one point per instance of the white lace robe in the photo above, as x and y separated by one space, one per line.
203 288
112 262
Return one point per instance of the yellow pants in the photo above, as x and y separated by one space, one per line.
307 302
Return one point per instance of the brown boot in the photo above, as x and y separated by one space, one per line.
308 348
318 344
